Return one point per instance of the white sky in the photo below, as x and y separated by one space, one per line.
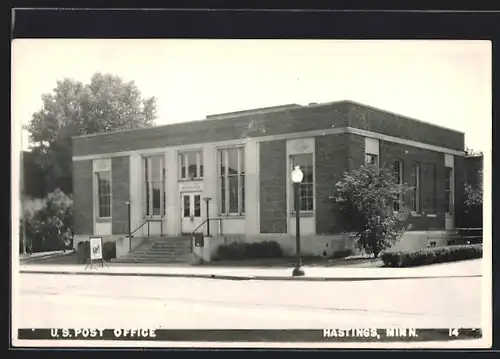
447 83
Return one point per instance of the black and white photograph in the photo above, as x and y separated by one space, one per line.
251 193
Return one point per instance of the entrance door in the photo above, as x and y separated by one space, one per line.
191 213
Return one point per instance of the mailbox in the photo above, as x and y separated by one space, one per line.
199 240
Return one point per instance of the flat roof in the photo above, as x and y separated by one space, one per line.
263 110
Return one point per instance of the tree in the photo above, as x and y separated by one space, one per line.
365 201
473 204
106 104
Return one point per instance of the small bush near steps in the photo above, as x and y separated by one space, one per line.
432 255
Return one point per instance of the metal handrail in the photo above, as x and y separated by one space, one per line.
148 221
205 221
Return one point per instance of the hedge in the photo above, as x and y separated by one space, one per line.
432 255
83 251
244 250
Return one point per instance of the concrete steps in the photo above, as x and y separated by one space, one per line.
160 250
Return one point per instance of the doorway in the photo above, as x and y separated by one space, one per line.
191 217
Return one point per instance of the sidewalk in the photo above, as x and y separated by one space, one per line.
469 268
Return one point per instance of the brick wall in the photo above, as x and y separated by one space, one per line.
214 130
273 216
332 160
120 172
356 151
430 205
83 197
287 120
459 170
380 121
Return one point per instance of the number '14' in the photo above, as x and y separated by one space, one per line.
453 332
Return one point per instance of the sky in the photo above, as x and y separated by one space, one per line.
447 83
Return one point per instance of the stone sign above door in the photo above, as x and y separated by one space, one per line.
190 186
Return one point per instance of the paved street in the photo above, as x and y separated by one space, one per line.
47 300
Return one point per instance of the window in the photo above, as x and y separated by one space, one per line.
103 194
371 159
398 179
305 162
191 165
433 189
232 180
415 183
448 194
154 186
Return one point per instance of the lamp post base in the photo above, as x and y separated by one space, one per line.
297 272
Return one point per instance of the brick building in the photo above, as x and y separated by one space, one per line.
243 160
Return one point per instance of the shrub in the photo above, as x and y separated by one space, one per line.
47 224
432 255
109 251
244 250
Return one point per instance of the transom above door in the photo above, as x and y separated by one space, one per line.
191 216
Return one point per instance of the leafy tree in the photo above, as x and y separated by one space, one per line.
48 227
365 200
106 104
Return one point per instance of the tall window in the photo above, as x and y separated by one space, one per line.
103 194
415 183
433 188
191 165
305 162
154 185
232 180
448 194
398 179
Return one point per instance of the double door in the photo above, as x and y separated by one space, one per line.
191 216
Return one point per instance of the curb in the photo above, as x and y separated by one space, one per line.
241 277
47 256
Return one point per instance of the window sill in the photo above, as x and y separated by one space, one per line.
232 216
415 214
103 220
153 218
432 215
304 214
190 179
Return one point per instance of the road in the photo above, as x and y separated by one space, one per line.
46 300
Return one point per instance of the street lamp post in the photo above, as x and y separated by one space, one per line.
297 176
129 227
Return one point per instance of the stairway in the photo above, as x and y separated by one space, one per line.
160 250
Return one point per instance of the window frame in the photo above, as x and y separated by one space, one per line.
397 204
148 190
292 191
415 202
225 208
372 155
182 158
98 196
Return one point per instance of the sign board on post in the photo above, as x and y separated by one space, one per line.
96 250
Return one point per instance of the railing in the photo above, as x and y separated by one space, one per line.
207 220
148 221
